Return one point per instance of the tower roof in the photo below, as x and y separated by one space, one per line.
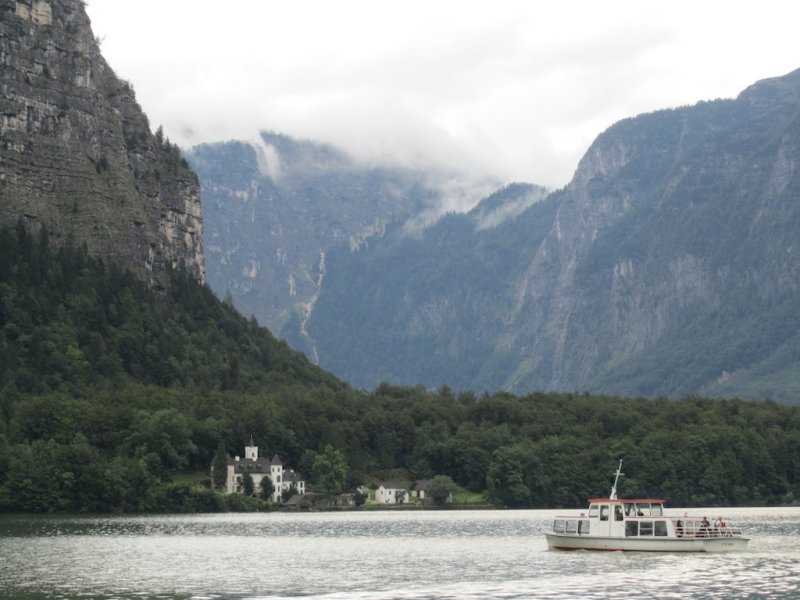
276 460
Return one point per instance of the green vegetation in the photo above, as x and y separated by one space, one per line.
441 489
330 471
110 395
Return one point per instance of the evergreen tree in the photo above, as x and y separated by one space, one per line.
248 486
266 488
220 467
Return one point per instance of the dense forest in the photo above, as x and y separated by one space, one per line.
110 394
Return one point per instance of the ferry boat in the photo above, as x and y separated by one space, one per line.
640 525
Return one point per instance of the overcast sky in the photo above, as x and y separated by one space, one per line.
513 89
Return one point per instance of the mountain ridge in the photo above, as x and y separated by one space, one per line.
677 229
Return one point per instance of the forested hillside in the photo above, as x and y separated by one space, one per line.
109 392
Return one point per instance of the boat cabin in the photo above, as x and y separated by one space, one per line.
637 518
613 518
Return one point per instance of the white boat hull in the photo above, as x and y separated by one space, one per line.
584 542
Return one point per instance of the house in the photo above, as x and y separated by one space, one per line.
402 492
300 502
419 489
258 468
393 492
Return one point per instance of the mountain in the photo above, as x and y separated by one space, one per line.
76 152
667 266
115 398
274 208
425 307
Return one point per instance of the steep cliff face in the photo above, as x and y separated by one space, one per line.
667 266
274 208
678 233
77 154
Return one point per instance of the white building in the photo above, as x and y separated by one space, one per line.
258 468
402 492
393 492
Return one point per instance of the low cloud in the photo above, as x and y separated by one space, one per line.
511 90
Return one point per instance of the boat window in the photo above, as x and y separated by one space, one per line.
558 526
643 509
593 511
661 528
604 512
630 509
657 510
631 528
572 527
617 512
583 526
646 528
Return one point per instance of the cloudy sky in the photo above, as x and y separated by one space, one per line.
512 89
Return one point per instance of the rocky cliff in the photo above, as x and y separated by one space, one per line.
273 208
76 151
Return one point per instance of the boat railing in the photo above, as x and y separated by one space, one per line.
688 528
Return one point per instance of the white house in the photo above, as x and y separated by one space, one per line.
420 489
393 492
258 468
402 492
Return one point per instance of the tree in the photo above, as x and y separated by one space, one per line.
266 489
248 487
288 492
330 470
505 478
441 489
360 498
166 433
220 467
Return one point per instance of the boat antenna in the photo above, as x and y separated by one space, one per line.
613 495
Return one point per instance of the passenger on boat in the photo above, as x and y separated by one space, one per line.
704 526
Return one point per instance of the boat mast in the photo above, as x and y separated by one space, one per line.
613 494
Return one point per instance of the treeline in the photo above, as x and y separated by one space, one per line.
108 393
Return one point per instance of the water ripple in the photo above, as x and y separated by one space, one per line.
374 556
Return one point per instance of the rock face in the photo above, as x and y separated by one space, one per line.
669 265
275 207
76 151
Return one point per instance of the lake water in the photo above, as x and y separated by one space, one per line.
376 555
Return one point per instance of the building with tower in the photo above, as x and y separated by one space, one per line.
258 468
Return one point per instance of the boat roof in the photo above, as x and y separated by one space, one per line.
621 500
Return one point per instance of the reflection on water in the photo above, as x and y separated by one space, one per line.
404 555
